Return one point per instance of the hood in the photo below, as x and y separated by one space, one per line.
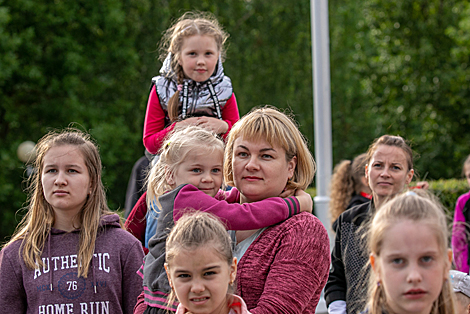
168 72
112 220
106 221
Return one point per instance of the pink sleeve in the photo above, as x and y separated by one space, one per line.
299 271
459 237
230 113
236 216
154 125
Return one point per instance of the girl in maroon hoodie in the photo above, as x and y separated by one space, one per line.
70 253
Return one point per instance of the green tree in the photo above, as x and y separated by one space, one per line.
409 76
70 62
398 67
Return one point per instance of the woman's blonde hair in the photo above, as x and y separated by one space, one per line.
175 150
421 207
194 230
276 128
189 24
346 180
36 225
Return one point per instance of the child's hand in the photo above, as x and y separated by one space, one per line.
305 201
188 122
287 193
421 185
215 125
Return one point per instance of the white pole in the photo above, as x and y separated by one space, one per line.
321 116
322 108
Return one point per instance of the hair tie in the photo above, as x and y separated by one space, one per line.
180 87
185 29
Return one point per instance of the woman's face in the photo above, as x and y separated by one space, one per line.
387 172
260 170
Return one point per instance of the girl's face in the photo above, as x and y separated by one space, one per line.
260 170
411 267
65 179
200 279
199 56
387 172
200 169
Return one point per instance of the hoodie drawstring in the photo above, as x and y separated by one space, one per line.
93 272
49 252
50 269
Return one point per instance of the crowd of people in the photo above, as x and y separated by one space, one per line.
223 223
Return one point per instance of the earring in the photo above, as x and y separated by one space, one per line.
231 282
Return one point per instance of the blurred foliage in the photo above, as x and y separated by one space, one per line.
448 191
397 66
68 62
400 67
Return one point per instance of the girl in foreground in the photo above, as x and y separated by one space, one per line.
70 253
200 266
410 258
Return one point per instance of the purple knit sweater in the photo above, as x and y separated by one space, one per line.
284 270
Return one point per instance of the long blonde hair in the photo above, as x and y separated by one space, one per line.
190 24
276 128
35 226
176 149
422 207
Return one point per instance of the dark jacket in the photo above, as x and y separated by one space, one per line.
348 273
